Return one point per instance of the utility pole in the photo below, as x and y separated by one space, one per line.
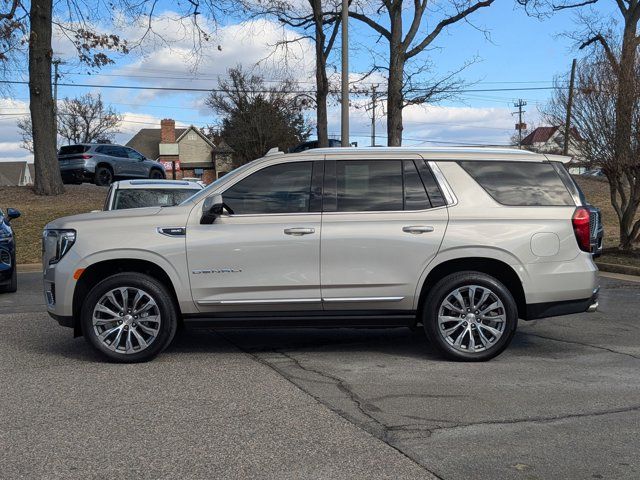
374 99
345 74
520 126
56 63
567 125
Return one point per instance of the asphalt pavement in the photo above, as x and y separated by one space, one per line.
562 402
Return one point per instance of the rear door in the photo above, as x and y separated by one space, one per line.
383 221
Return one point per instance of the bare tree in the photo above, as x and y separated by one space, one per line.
619 49
318 21
593 115
255 117
404 88
85 119
76 19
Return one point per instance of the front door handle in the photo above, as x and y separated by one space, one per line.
416 229
299 231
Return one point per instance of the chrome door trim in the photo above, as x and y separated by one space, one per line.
265 301
362 299
417 229
444 185
298 231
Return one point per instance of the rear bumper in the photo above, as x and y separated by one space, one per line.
567 307
76 175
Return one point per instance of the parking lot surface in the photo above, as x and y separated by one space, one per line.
562 402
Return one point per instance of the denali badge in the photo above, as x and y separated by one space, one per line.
216 270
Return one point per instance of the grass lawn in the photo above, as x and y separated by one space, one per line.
37 211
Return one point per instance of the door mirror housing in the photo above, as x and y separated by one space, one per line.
12 213
212 208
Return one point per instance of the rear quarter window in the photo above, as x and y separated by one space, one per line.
520 183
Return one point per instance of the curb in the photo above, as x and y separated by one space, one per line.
29 267
615 268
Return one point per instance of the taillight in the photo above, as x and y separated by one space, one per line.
86 156
580 221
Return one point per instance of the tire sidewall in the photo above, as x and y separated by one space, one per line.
461 279
156 174
99 181
159 294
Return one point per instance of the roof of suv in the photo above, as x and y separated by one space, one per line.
442 153
146 184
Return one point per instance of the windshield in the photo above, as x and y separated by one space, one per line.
152 197
205 193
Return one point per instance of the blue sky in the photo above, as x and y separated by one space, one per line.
522 52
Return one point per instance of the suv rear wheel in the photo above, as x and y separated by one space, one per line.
470 316
129 317
156 174
103 177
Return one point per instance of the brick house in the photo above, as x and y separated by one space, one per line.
193 154
551 140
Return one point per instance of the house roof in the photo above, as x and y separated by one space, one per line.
543 134
12 173
147 141
198 131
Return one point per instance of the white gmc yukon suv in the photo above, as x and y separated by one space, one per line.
463 241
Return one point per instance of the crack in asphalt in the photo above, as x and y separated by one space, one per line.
381 433
637 357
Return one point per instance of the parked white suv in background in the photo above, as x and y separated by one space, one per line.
462 240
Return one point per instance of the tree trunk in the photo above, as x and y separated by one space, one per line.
395 97
48 180
625 101
322 83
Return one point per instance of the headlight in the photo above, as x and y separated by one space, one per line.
55 243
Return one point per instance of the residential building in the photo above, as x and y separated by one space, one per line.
188 150
15 174
551 140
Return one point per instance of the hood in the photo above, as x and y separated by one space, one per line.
107 218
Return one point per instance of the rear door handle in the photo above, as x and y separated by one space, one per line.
416 229
299 231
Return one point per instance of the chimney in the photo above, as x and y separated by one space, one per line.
167 131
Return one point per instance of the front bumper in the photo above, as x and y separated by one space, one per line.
567 307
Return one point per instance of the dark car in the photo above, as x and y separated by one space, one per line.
104 163
313 144
8 272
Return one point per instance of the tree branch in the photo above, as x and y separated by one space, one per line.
12 11
444 23
378 28
605 45
557 8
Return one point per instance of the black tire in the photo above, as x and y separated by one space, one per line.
12 286
103 176
165 307
156 174
439 293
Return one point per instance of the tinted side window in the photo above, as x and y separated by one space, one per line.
284 188
72 149
520 183
364 186
415 195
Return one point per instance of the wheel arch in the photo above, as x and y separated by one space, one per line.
98 271
498 269
106 165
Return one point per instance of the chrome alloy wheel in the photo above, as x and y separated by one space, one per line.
471 318
126 320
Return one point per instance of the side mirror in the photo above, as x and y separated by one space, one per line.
12 213
212 208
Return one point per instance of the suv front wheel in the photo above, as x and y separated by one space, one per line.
470 316
129 317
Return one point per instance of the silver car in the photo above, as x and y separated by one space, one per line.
103 163
463 241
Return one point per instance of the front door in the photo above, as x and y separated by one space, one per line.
383 222
265 256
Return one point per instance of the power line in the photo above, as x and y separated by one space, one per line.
219 90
